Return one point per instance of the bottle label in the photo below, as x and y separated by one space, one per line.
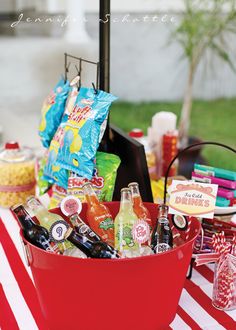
70 205
162 247
45 243
106 224
124 238
141 231
83 229
58 230
179 221
166 227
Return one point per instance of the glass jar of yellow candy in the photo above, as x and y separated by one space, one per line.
17 174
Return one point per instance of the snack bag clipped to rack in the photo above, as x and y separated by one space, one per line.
81 132
52 111
103 181
54 173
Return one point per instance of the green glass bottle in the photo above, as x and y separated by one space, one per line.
124 222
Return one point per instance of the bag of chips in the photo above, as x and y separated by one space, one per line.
52 111
54 173
58 193
81 132
103 181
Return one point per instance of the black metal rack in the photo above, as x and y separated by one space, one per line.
133 160
79 69
132 154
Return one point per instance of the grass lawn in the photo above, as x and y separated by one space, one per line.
211 120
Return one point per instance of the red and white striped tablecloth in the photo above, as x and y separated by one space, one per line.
19 307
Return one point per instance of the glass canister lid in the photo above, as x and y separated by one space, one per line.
13 153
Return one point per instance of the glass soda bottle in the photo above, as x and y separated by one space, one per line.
124 222
54 223
92 249
82 228
98 215
140 210
162 239
35 234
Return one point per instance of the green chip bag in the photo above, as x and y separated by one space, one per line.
43 185
103 180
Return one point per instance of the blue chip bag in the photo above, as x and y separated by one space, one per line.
61 176
53 173
82 131
52 111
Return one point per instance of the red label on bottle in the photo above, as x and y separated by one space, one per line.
141 231
70 205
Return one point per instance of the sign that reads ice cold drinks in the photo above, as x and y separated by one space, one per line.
193 199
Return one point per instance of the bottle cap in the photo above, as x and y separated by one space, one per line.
15 206
33 200
163 207
124 189
70 205
133 184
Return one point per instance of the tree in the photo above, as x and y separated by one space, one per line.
204 25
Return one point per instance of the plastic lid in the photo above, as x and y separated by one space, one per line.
12 145
125 189
136 133
12 153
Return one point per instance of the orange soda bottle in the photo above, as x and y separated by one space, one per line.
98 215
139 209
